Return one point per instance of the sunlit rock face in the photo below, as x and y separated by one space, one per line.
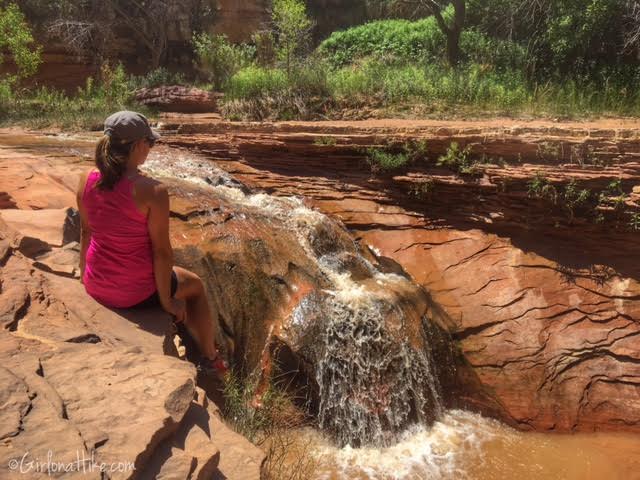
294 291
545 310
81 382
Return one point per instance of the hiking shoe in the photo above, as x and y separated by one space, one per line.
216 367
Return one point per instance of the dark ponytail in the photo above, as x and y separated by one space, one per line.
111 160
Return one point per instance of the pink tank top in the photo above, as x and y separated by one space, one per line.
119 262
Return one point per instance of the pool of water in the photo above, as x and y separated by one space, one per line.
464 445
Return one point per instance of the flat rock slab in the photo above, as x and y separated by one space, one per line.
54 227
124 402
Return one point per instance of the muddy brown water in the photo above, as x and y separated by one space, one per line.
461 445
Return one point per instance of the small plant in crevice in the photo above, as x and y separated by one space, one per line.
634 222
417 149
395 156
574 199
500 161
422 190
256 408
381 160
540 187
584 154
267 415
613 196
325 141
459 160
549 152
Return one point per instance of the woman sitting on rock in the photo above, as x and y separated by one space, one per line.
126 259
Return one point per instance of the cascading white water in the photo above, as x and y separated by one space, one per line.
372 383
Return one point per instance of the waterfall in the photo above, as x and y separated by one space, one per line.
370 386
373 383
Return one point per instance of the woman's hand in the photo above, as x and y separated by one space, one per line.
177 308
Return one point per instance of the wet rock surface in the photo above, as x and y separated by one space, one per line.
544 305
296 297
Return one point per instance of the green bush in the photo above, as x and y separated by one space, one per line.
156 78
420 41
480 48
381 160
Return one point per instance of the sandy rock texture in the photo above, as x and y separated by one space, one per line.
86 388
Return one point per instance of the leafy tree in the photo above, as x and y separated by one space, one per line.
17 40
572 37
219 58
450 25
293 29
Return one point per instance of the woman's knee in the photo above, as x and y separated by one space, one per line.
189 283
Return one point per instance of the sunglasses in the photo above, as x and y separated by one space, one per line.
151 142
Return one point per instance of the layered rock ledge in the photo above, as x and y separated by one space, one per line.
543 301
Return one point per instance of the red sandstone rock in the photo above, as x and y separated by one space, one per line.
177 98
51 227
546 315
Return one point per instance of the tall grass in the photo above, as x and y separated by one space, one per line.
259 93
392 83
87 109
268 417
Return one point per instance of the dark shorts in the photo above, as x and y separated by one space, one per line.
154 299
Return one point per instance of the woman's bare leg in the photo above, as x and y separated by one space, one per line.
200 320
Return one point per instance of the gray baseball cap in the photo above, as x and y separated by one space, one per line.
129 126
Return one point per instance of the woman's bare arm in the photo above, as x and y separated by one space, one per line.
85 230
158 223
